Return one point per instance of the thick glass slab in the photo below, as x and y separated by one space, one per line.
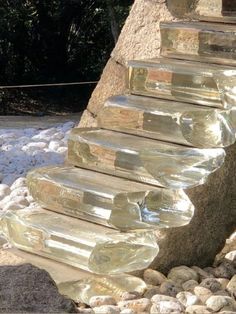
142 159
60 272
169 121
207 42
108 200
78 243
205 10
193 82
115 286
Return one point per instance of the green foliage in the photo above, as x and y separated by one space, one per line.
57 40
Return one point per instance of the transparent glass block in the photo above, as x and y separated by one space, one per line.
205 10
59 272
193 82
206 42
78 243
169 121
141 159
108 200
115 286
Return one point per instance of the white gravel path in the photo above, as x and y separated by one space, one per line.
22 150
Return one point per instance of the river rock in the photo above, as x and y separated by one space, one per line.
85 311
128 311
202 293
139 305
106 309
231 287
153 277
20 191
223 282
221 303
4 191
21 181
182 274
125 296
222 293
167 307
187 298
169 288
189 285
226 269
151 291
197 309
102 300
211 284
202 273
160 297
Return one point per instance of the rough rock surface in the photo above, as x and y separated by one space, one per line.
215 202
25 288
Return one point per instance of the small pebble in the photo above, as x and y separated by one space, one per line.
187 298
106 309
20 191
211 284
225 270
231 286
128 311
189 285
202 293
201 273
85 311
139 305
210 270
54 145
18 183
153 277
182 274
231 256
160 297
169 288
223 282
4 191
151 291
197 309
167 307
222 292
130 296
102 300
221 303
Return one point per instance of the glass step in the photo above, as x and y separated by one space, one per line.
60 272
205 10
108 200
115 286
142 159
78 243
169 121
207 42
192 82
75 283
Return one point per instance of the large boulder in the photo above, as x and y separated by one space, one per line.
26 288
215 201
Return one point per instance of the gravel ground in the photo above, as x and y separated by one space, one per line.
25 149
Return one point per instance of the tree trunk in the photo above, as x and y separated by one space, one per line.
113 22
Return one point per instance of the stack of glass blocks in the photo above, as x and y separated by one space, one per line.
126 178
